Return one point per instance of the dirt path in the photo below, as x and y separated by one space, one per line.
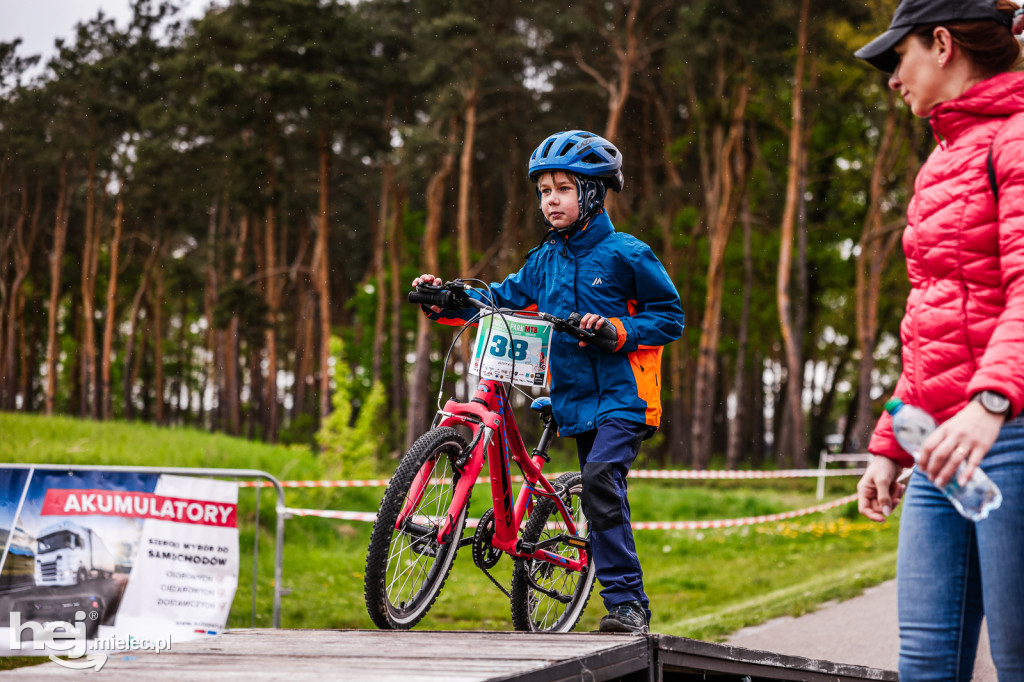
859 631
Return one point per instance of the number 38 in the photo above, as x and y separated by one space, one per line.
500 348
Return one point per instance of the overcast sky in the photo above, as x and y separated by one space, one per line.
39 22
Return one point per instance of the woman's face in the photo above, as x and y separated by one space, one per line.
919 76
559 199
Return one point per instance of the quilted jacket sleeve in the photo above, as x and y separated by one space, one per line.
883 442
1001 367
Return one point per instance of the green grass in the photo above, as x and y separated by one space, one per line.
702 584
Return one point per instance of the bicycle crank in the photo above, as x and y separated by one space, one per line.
485 555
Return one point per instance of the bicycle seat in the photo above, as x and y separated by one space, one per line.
542 405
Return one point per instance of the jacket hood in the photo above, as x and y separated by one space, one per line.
1000 96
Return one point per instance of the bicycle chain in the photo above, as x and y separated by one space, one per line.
496 583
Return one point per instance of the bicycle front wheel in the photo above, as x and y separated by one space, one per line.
406 564
560 609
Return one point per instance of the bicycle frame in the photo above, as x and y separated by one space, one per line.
495 435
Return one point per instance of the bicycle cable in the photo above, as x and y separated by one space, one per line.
488 297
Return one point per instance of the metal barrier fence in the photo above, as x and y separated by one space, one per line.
269 481
846 457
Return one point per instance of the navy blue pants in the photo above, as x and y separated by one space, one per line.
606 453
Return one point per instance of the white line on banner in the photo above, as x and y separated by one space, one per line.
685 474
638 525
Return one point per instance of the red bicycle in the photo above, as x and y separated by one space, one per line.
420 524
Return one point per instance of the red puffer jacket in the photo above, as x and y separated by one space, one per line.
963 331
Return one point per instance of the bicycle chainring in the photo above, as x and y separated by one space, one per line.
485 556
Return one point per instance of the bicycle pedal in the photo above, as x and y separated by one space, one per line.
577 541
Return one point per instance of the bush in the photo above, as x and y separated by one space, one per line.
350 438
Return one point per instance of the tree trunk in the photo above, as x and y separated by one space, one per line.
272 289
630 54
181 387
731 169
794 368
733 449
90 258
212 375
60 233
23 249
419 389
397 301
232 365
157 306
673 421
321 279
876 246
111 314
128 384
380 240
305 299
470 98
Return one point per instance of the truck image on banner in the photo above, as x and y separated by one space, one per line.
124 555
69 554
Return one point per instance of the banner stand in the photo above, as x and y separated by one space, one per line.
280 509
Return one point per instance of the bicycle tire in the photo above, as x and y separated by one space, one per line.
405 572
535 611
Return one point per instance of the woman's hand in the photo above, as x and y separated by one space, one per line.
878 491
965 437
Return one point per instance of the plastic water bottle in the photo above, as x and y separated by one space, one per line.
974 501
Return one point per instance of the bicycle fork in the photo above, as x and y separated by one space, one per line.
463 479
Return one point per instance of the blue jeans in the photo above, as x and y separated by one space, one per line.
605 455
951 572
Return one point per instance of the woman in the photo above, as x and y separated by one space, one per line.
963 338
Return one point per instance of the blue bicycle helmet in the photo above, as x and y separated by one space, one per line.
579 152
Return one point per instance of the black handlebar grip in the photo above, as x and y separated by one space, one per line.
439 297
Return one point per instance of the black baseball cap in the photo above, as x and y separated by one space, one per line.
910 13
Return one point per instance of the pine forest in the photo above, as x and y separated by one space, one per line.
213 222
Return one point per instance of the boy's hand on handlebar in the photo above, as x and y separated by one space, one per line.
592 322
430 280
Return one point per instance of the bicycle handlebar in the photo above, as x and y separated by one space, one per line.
452 296
442 297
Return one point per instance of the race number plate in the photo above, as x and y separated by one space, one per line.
512 349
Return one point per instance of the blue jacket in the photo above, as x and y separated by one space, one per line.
615 275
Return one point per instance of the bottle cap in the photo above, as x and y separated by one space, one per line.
893 405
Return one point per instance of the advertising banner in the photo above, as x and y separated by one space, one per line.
118 557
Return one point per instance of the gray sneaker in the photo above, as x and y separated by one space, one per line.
628 617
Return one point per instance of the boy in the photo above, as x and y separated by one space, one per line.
609 402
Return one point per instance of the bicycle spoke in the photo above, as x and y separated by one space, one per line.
532 609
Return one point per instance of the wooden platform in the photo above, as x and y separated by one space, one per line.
321 655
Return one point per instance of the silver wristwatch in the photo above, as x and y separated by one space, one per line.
996 403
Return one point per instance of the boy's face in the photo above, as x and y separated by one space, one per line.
559 200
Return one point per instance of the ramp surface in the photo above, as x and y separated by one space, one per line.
320 655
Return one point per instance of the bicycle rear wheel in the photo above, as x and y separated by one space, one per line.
533 610
406 567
